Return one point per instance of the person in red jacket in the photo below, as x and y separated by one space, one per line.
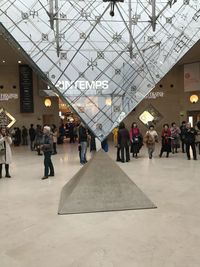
166 140
135 138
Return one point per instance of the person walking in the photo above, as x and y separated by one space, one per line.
83 142
5 151
166 141
55 138
182 135
136 139
32 134
150 138
190 134
175 137
124 142
47 148
24 136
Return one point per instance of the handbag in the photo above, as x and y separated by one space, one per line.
135 140
2 149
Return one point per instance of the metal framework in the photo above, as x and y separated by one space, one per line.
102 66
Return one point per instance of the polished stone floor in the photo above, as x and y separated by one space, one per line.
33 235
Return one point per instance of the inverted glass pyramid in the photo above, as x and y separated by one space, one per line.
102 66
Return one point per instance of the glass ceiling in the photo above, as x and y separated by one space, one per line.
103 66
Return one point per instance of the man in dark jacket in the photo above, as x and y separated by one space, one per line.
123 142
47 148
182 135
82 139
32 136
190 134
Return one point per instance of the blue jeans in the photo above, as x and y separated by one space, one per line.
48 166
83 152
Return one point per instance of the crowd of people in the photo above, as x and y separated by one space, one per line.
172 138
44 140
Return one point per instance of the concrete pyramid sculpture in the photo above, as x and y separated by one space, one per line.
101 186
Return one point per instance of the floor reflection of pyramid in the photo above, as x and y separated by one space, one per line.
102 66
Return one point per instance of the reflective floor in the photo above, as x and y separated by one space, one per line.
33 235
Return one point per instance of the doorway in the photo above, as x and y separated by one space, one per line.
193 117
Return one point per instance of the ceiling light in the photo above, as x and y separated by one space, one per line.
3 61
19 61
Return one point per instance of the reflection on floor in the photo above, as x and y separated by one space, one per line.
33 235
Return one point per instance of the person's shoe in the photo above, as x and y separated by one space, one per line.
188 158
45 177
8 175
0 176
118 159
195 158
52 174
160 155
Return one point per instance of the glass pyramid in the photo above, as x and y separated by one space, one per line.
102 65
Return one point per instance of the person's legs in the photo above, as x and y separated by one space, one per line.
46 165
83 152
0 171
118 154
194 151
188 150
122 154
51 166
127 154
183 146
161 152
150 152
7 171
54 148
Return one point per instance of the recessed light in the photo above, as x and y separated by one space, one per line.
3 61
19 61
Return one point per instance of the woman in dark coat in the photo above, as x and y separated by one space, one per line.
136 139
166 140
123 142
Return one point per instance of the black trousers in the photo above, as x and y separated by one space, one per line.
183 146
125 150
6 168
54 148
48 165
118 154
192 145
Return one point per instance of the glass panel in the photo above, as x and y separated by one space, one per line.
90 57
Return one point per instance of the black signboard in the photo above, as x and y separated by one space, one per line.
26 89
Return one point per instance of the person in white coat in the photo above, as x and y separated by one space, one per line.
5 151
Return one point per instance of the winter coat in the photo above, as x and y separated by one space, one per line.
47 143
123 138
190 135
150 138
6 158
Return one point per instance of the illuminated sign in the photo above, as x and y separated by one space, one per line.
6 97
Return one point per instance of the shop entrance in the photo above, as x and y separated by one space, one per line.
193 117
